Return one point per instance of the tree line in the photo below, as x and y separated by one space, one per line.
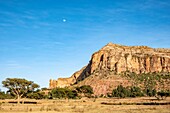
134 91
21 88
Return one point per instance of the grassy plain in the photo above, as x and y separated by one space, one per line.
87 105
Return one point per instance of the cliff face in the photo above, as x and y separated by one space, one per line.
138 59
64 82
118 58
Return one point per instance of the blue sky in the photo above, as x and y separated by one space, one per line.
43 39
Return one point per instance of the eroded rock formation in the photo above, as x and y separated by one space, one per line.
118 58
63 82
138 59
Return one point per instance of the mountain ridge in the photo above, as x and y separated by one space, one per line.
116 58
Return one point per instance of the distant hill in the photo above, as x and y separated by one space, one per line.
113 64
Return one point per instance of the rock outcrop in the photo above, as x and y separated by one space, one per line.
138 59
64 82
117 59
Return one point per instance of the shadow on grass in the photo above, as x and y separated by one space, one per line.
144 103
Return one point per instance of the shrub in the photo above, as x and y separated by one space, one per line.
163 94
4 95
120 92
136 92
150 92
123 92
36 95
63 93
87 90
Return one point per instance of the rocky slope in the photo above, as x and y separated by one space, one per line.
114 59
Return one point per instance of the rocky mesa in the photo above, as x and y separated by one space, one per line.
114 59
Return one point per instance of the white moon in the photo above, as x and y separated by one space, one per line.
64 20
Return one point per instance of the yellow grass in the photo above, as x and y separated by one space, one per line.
86 106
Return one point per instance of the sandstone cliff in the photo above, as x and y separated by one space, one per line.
138 59
116 59
64 82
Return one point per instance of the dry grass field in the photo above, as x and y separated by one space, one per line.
87 106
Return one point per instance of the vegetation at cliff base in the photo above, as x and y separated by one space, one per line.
150 83
123 92
63 93
148 79
21 88
163 94
134 91
85 90
36 95
77 92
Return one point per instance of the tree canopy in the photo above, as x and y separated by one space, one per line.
63 93
19 87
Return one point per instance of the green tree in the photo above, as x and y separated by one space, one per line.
135 92
38 94
58 93
87 90
19 87
121 92
4 95
163 94
71 94
63 93
150 92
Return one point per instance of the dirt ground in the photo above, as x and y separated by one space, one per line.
87 106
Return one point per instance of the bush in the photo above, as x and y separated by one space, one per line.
148 80
136 92
4 95
123 92
63 93
87 90
120 92
36 95
163 94
150 92
71 94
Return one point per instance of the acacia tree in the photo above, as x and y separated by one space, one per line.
19 87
